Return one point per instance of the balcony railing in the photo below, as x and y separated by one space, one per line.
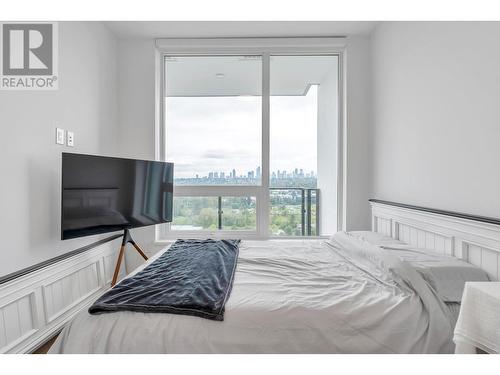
294 211
309 207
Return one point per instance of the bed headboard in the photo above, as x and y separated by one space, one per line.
475 239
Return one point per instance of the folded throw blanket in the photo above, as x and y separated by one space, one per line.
193 277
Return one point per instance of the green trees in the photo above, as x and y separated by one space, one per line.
286 220
239 213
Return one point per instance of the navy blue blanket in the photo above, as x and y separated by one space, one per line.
193 277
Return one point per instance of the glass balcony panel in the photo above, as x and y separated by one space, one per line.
214 213
195 213
239 213
285 212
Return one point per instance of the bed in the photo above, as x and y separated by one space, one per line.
353 293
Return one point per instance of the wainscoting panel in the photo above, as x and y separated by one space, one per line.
109 263
424 239
17 321
476 242
36 306
63 293
382 225
486 258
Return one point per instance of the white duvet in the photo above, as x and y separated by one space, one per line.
296 296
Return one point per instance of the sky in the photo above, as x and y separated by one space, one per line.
206 134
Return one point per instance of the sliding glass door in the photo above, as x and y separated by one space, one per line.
254 141
303 152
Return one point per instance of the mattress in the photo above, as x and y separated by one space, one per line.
289 296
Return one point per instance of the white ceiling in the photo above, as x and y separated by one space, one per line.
250 29
192 77
241 75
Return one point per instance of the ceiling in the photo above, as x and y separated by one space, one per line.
227 29
242 75
195 77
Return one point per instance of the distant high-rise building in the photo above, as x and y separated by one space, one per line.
295 172
211 175
301 173
274 175
216 174
197 176
258 172
222 175
234 173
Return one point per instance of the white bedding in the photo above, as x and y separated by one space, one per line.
296 296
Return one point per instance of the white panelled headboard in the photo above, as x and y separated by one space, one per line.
475 239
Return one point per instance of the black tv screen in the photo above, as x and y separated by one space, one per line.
105 194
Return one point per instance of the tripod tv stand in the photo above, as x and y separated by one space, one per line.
127 238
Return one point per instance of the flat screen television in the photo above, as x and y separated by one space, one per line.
105 194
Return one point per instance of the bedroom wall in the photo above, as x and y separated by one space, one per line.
136 116
356 140
436 117
327 160
30 160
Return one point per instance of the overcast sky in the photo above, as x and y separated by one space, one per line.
206 134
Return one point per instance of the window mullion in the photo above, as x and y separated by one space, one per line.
219 212
263 201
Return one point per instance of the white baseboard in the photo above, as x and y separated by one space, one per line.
34 307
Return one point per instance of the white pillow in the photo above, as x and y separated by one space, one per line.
375 238
447 275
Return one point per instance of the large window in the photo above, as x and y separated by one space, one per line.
213 119
253 137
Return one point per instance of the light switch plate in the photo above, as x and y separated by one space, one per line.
70 139
59 136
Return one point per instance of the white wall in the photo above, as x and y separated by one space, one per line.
358 107
136 116
30 161
327 150
436 115
136 98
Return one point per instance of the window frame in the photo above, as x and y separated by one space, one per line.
264 47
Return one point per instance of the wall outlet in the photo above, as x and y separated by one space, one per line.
70 139
59 136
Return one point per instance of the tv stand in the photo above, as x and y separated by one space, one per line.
127 238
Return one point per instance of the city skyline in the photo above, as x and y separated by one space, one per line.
226 132
253 174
